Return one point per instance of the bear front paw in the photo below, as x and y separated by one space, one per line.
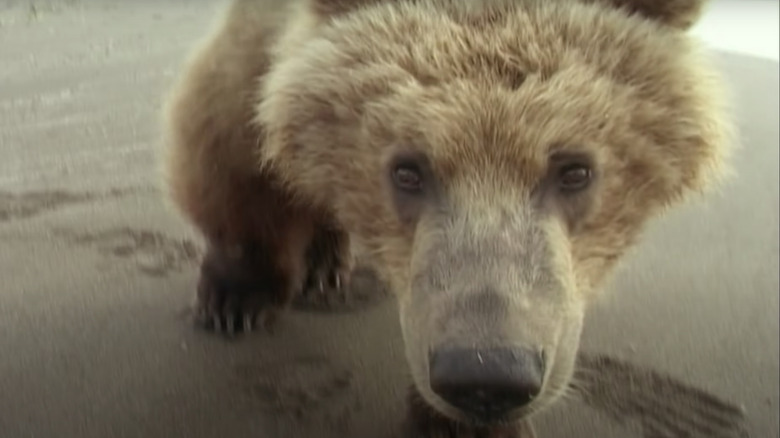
330 268
235 294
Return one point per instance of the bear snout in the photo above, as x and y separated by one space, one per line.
486 384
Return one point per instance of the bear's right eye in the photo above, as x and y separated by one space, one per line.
407 177
574 177
572 172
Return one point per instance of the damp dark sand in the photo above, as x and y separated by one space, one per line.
97 274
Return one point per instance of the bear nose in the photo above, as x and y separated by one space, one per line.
488 383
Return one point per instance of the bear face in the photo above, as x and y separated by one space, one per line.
495 160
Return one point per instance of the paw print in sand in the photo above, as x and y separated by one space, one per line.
662 406
153 253
305 388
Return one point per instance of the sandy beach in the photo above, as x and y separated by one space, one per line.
97 273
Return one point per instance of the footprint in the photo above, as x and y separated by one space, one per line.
26 205
30 204
153 253
307 388
663 406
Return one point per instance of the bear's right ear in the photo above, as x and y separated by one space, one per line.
680 14
332 8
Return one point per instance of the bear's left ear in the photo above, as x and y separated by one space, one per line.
680 14
332 8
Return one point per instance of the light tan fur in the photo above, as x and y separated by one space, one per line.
487 91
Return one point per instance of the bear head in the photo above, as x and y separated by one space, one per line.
494 159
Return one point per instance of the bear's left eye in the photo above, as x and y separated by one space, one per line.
574 177
407 178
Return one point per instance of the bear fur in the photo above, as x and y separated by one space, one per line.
493 160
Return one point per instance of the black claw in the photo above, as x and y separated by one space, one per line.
230 324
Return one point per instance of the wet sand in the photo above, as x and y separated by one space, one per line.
97 274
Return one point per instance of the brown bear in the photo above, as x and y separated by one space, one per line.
492 159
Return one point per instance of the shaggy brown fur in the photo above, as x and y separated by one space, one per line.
251 224
495 159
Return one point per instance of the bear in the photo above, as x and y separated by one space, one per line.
493 161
